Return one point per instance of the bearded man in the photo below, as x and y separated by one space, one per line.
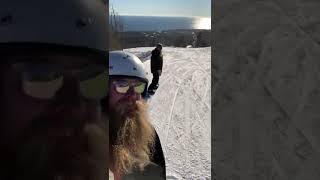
134 145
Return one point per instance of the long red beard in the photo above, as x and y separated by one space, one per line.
132 137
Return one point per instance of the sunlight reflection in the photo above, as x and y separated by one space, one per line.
203 23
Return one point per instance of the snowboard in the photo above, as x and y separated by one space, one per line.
150 93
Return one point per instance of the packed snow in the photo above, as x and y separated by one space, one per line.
180 110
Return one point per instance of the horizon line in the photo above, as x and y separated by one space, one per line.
164 16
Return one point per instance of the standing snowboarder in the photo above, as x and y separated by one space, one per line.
156 67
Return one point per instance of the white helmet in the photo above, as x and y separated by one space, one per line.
53 24
124 64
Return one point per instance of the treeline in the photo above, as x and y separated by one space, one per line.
176 38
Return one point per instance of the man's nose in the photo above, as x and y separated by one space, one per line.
131 95
70 104
70 91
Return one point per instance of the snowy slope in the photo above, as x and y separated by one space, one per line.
181 110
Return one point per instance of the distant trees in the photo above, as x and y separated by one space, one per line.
177 38
116 40
180 41
203 39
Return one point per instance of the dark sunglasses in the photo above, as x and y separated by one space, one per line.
43 80
122 86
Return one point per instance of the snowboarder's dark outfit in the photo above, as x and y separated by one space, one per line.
156 68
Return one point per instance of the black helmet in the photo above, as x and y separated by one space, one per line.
159 45
64 25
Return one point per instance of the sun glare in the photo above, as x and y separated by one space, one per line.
203 23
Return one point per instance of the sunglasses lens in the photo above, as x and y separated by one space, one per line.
121 86
95 87
139 88
40 80
122 90
42 89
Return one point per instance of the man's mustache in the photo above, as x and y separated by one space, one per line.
122 124
121 112
125 108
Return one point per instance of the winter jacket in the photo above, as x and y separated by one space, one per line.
151 172
157 156
156 61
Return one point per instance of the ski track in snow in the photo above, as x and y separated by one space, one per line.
180 110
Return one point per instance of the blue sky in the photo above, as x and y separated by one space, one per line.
200 8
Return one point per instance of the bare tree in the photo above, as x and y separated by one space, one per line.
115 31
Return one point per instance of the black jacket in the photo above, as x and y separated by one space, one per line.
151 171
156 61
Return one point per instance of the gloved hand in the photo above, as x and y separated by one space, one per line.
159 72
